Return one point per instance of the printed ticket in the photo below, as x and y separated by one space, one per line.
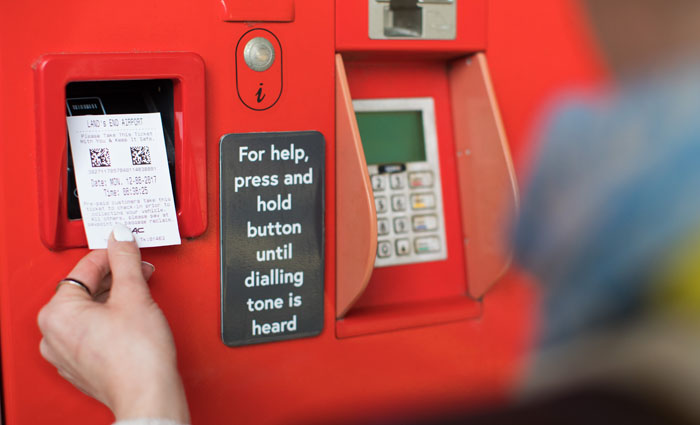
122 176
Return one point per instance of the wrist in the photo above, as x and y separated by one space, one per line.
161 397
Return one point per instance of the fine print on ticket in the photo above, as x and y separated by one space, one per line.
122 176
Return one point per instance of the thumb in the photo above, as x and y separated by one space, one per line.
125 263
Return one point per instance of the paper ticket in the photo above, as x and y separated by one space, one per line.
122 176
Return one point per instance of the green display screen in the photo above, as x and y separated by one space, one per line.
392 136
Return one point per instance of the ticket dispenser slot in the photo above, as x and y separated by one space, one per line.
120 97
79 84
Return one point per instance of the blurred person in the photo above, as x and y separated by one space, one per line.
106 335
610 221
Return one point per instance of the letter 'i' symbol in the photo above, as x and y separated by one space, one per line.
259 94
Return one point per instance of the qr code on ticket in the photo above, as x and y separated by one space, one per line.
140 155
99 157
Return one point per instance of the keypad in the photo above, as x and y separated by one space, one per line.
408 218
405 179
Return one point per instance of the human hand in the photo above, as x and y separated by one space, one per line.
116 347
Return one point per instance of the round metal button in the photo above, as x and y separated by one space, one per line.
259 54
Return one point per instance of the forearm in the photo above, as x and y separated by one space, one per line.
163 397
148 421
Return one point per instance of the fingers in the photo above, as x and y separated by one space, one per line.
147 269
125 262
91 271
46 352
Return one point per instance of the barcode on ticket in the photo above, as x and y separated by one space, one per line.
99 157
140 155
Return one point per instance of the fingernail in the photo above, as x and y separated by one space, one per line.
153 268
122 233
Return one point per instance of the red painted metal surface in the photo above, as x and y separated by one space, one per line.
257 10
534 48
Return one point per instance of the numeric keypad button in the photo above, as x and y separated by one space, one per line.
378 182
401 225
381 204
384 249
399 203
397 180
403 247
383 227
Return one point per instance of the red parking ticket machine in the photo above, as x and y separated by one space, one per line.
341 180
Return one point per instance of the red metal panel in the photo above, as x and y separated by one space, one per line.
257 10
